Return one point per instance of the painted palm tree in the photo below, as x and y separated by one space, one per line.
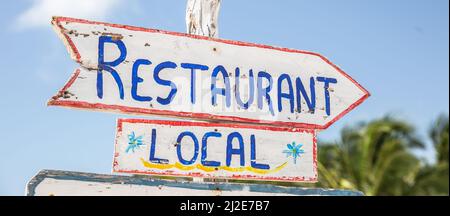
375 158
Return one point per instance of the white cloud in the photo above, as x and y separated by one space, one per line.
41 11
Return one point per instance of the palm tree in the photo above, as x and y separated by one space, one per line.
434 179
374 158
439 135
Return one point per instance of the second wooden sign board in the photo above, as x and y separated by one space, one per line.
211 150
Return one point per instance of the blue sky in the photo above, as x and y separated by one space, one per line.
398 50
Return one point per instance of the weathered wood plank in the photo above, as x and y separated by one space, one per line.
66 183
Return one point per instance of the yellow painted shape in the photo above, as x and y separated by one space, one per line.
180 166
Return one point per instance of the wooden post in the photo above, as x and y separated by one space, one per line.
202 19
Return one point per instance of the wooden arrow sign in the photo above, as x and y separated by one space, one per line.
213 150
142 71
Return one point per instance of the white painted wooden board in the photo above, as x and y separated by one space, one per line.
237 81
212 150
64 187
66 183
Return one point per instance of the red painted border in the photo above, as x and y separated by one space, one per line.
206 124
98 106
